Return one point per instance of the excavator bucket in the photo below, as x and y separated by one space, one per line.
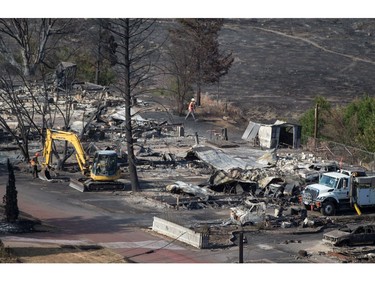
45 174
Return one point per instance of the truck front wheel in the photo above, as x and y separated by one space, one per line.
328 209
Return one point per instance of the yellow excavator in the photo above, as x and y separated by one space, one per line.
102 174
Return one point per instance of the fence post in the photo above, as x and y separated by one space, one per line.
224 134
196 138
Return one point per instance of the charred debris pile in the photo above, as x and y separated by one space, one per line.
193 174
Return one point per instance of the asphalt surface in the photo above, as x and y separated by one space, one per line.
103 218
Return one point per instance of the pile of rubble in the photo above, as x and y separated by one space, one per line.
253 188
216 177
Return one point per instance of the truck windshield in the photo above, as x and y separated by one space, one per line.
328 181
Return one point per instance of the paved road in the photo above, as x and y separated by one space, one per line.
100 218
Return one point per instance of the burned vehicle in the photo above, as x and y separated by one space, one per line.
355 235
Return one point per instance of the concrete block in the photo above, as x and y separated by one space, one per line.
180 233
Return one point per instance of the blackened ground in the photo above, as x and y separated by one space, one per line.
281 65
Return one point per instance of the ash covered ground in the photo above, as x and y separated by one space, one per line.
281 65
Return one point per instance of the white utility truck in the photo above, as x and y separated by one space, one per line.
339 191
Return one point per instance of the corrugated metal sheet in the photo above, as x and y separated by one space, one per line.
222 161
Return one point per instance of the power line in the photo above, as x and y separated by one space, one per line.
151 251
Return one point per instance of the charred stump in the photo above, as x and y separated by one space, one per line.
10 198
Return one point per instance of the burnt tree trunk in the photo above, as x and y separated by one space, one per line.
128 125
11 205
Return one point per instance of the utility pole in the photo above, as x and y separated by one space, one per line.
196 138
316 124
240 257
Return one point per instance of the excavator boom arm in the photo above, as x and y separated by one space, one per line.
64 136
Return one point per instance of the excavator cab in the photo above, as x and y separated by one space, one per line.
104 174
104 166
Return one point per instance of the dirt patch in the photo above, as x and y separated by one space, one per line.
64 254
20 252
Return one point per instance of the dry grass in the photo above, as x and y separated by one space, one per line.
5 255
211 107
58 254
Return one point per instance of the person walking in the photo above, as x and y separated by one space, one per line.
34 165
191 109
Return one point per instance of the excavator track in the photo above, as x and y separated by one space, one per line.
84 185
